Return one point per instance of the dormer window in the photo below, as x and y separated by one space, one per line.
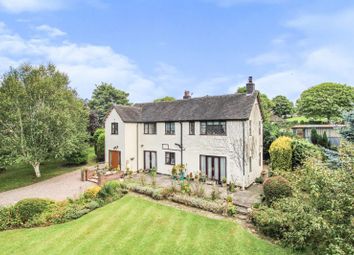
169 128
114 128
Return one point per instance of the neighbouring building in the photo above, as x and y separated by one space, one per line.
221 136
332 131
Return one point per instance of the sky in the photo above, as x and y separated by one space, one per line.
156 48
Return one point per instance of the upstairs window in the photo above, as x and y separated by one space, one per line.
114 128
169 128
150 128
213 127
170 158
192 128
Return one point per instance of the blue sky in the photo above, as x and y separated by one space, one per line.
153 48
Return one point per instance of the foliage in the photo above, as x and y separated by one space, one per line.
92 192
282 106
302 150
326 100
198 188
109 189
200 203
185 187
41 117
281 153
164 99
270 133
324 142
93 123
346 155
348 131
331 158
78 157
146 190
259 180
232 186
215 193
318 216
314 136
100 147
231 210
104 97
275 188
27 209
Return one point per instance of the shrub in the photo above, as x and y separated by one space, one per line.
302 150
110 189
198 188
232 187
8 218
91 193
167 192
78 157
231 210
276 187
314 136
281 153
199 203
146 190
27 209
100 147
185 187
215 193
259 180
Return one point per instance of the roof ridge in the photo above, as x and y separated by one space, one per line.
195 98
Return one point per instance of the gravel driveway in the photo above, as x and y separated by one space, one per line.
57 188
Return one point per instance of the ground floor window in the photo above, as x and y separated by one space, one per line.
213 167
170 158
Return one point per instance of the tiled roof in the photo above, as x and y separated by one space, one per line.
227 107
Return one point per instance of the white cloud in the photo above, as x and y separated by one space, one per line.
17 6
51 31
317 48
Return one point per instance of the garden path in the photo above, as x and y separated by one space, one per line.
56 188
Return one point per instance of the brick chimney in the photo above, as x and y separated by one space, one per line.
250 86
187 94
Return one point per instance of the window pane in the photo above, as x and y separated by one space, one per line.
153 159
216 168
202 128
203 164
222 168
210 167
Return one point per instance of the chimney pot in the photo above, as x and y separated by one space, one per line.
250 86
187 94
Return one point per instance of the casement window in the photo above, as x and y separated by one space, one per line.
213 127
150 128
260 127
213 167
250 127
192 128
114 128
260 158
170 158
169 128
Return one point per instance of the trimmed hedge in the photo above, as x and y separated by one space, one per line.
281 153
276 187
199 203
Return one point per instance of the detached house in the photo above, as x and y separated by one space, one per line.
221 136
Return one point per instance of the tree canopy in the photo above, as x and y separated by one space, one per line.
104 96
41 117
282 106
165 99
326 100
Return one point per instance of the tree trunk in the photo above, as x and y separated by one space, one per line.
36 169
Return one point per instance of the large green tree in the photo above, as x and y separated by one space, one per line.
326 100
165 99
41 117
282 106
104 96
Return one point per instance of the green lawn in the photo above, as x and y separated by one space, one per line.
22 174
134 225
